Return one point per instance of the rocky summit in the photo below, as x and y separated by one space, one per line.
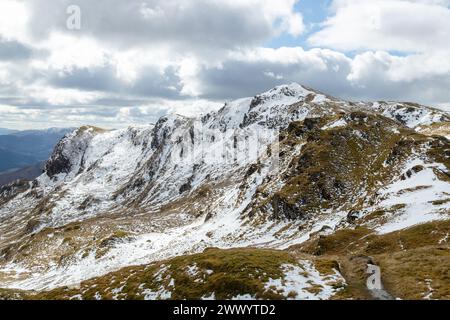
290 194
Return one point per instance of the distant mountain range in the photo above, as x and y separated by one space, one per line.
4 131
21 149
28 173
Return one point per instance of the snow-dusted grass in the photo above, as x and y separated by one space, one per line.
304 282
236 274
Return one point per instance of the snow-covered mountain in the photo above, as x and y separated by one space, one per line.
273 171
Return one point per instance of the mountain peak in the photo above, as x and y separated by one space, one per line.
288 90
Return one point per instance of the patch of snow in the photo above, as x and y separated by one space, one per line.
212 296
161 294
192 271
304 282
335 124
428 296
243 297
444 239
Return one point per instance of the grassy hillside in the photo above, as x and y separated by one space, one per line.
415 264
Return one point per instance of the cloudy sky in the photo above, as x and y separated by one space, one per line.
135 60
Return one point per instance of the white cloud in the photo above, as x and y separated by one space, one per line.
63 97
136 60
399 69
402 25
14 19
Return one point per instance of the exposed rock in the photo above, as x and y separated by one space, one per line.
185 187
352 216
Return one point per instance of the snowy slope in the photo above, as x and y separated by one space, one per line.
410 114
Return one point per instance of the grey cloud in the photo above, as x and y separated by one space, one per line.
429 91
193 25
94 79
11 50
241 78
122 101
401 25
150 82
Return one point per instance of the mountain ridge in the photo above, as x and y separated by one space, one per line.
268 171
